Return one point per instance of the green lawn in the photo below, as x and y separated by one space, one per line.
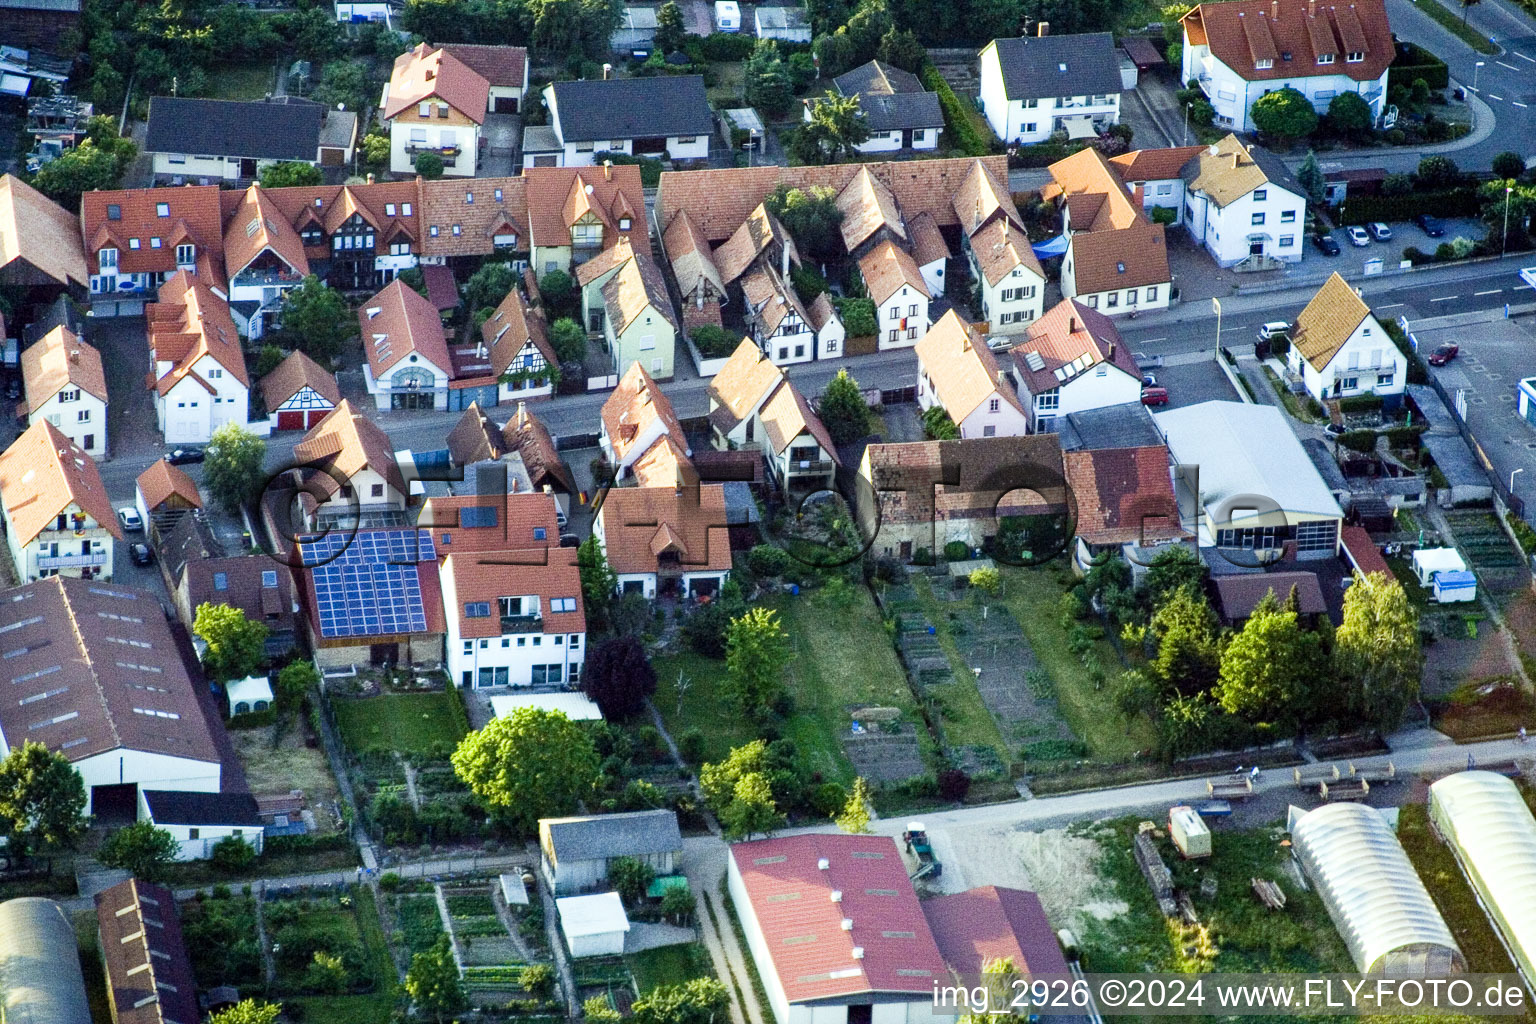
371 1007
1451 21
1033 596
242 82
668 965
842 658
967 722
404 722
730 77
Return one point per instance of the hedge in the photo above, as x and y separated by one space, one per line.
1458 202
962 131
1414 62
1360 403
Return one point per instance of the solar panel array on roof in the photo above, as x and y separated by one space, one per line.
367 584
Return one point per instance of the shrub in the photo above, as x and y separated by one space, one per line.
954 784
1418 256
1403 437
713 342
960 131
1452 202
690 745
1359 440
233 855
828 799
650 166
1360 403
957 551
722 46
1522 531
859 318
765 560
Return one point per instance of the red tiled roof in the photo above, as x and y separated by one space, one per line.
1124 495
518 516
43 473
981 925
553 195
1068 331
442 292
294 374
1154 164
1243 32
963 370
528 435
345 443
392 208
148 975
639 524
464 218
57 359
257 225
162 480
549 572
397 322
786 415
1363 551
187 323
502 67
634 404
35 229
1237 596
887 946
193 216
421 74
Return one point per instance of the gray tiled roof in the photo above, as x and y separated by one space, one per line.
891 99
1113 426
636 833
632 108
259 130
1080 65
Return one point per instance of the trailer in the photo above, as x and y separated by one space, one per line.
1189 832
1314 774
1377 773
916 839
1214 808
1232 787
1347 789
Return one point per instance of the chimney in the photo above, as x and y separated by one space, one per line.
607 170
837 896
1071 325
607 72
522 413
1111 353
823 864
1274 9
1044 30
370 177
1139 193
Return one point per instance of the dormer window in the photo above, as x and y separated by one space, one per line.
389 209
1354 57
133 243
405 209
162 209
1325 58
317 202
1263 63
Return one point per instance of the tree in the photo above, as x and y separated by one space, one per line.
767 84
1350 116
140 849
558 290
1284 114
1184 626
901 48
756 654
1438 172
1136 695
835 130
630 877
811 216
568 339
1508 165
598 580
854 817
532 764
373 151
433 982
415 280
1376 650
670 31
294 682
618 677
42 799
290 172
843 409
232 855
248 1011
488 285
1264 667
1310 177
752 808
268 359
1170 569
236 645
677 903
1183 724
232 466
74 172
429 165
344 82
538 980
717 780
700 1001
316 320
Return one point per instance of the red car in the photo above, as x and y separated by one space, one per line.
1154 396
1443 354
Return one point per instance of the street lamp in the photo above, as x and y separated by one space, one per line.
1508 190
1475 69
1512 474
1187 106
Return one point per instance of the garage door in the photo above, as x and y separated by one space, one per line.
506 105
290 420
316 415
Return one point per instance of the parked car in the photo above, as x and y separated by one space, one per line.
1149 380
1154 396
141 554
1379 231
182 456
13 388
130 519
570 540
1431 226
1334 430
1444 354
1274 329
1326 245
1357 235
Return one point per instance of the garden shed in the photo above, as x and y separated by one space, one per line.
594 925
1374 896
253 693
1493 835
1428 561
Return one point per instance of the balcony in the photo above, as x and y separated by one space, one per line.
446 152
804 467
522 623
71 561
266 279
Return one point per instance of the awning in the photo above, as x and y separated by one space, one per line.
1080 128
1050 247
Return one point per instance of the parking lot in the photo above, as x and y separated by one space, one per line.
1192 378
1405 235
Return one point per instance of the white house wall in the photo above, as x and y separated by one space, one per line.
1225 231
910 307
66 416
147 771
1233 97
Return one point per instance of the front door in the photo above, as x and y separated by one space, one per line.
247 168
1256 248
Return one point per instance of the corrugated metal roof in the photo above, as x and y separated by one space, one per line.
40 977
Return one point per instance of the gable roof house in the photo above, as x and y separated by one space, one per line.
163 495
1338 348
349 466
896 286
899 112
666 540
577 851
232 140
515 343
40 244
575 213
86 654
137 238
504 68
355 237
1239 51
260 587
198 372
63 383
58 518
1010 278
409 366
957 372
1116 259
463 221
263 258
1244 206
736 393
700 284
527 435
638 323
665 116
434 103
801 455
1125 502
1070 360
148 973
636 418
299 392
1032 87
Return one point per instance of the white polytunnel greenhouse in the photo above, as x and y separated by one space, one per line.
1372 893
1492 833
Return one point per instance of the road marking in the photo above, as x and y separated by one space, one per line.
1494 97
1503 65
1520 288
1148 341
1444 298
1517 103
1495 291
1390 305
1522 56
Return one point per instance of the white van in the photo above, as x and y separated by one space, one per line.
727 16
1275 328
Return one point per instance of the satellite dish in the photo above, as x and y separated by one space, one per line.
588 190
